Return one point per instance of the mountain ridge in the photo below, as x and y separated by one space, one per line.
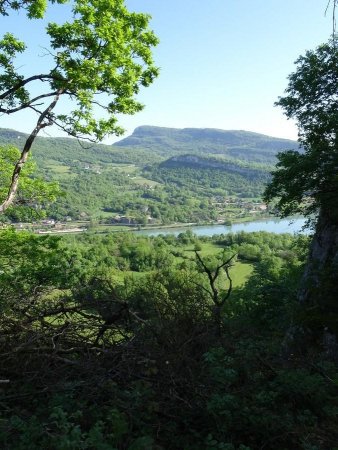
237 144
149 142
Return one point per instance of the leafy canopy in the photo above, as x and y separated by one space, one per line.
308 180
35 8
99 60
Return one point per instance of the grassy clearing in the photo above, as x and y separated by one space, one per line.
60 171
240 273
141 181
125 168
58 168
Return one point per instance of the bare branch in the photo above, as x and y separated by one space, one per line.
213 275
334 6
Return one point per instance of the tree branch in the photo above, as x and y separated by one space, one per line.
25 152
27 104
22 83
213 277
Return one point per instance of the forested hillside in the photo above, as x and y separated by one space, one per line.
145 182
235 144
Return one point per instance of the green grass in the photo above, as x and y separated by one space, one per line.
207 249
56 167
125 168
240 273
144 181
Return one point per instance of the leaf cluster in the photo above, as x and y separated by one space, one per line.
306 180
100 60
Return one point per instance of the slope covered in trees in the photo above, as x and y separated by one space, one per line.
105 181
99 56
235 144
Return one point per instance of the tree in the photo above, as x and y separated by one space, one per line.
33 190
306 181
97 63
35 8
218 294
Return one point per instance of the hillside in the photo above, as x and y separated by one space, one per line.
199 162
148 143
237 144
69 150
162 175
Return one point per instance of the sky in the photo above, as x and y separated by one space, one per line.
223 63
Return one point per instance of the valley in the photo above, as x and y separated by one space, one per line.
155 177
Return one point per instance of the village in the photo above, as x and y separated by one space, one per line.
229 209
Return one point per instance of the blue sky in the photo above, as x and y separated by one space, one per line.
223 62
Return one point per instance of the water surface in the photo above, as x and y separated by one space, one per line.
271 225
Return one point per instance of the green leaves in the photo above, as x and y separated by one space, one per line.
103 57
9 48
33 191
100 58
306 180
10 45
35 8
312 97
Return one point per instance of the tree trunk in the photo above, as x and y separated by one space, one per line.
319 285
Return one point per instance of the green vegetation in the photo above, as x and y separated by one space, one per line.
235 145
99 58
101 182
33 190
118 341
120 347
308 182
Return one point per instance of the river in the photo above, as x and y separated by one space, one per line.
271 225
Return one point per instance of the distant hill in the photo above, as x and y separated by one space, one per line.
198 162
69 150
172 175
241 145
150 144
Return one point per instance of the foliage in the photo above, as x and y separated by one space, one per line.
98 62
35 8
114 359
91 57
236 145
34 192
305 181
104 181
208 182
